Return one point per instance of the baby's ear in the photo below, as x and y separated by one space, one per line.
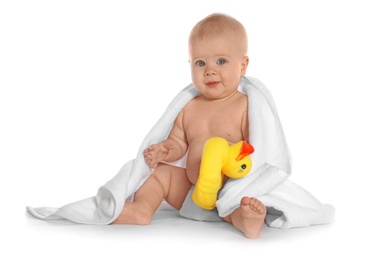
245 63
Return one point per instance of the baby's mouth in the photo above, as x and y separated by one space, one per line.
212 83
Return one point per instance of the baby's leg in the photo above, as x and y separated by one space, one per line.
166 182
249 217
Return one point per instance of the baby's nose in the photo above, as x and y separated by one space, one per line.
210 71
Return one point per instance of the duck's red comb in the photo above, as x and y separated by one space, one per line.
246 149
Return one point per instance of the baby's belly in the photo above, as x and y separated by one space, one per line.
193 161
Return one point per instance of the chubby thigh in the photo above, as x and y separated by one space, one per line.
174 182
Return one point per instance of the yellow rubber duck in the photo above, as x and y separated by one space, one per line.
219 159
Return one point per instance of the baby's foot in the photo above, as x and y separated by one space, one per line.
134 214
252 214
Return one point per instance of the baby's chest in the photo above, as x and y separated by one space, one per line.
226 125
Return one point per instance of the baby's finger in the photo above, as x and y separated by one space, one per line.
152 147
146 152
153 164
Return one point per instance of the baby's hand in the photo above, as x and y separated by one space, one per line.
155 153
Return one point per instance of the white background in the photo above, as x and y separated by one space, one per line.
82 82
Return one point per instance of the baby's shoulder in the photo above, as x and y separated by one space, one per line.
193 102
240 98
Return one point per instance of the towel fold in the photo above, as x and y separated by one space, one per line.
288 204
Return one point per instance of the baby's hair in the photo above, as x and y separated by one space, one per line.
217 24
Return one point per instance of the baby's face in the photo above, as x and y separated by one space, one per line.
217 65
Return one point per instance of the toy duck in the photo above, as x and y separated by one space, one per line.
219 159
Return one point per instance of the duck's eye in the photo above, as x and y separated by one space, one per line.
243 167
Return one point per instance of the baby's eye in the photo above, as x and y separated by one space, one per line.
200 63
243 167
221 61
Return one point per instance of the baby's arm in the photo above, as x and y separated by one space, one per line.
171 149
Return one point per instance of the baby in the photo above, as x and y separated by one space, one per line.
218 58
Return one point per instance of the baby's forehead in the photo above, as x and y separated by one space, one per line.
211 41
211 36
206 49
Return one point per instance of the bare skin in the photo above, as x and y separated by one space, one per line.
249 217
220 110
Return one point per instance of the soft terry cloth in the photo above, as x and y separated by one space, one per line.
288 204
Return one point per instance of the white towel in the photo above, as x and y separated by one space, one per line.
288 204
